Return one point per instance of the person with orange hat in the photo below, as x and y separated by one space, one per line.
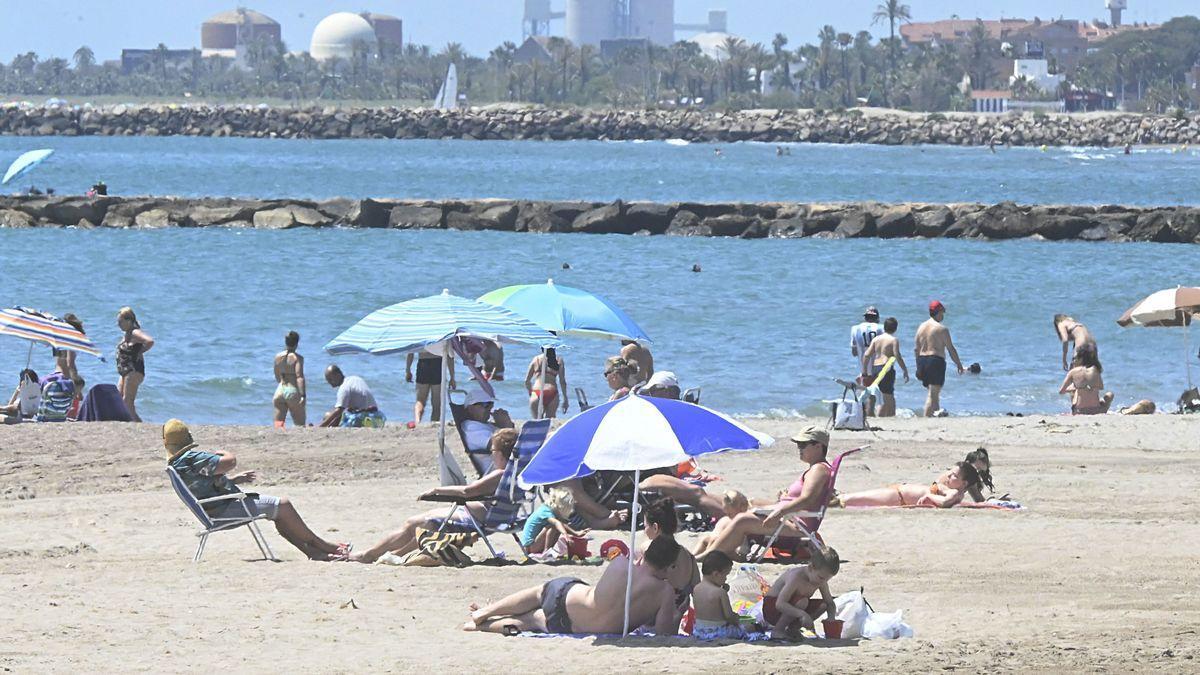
207 475
931 344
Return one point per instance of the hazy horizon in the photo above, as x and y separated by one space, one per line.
59 27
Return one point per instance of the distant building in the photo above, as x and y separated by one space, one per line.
990 100
534 49
339 35
1193 84
712 44
1037 73
146 60
389 31
229 33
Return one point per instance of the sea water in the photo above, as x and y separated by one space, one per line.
763 328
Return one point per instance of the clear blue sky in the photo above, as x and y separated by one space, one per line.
58 27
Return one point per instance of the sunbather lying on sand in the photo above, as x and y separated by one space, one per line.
948 490
404 540
568 605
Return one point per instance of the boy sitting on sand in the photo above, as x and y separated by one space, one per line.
549 521
715 618
734 503
790 606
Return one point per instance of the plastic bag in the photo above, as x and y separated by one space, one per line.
849 414
886 626
746 589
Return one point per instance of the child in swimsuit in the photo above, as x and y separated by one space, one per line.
790 606
715 618
550 521
734 503
948 490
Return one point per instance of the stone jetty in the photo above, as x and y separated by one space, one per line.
1005 220
511 122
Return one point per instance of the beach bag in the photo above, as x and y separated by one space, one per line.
849 414
436 549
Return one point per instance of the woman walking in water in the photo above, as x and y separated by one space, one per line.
290 395
548 390
131 365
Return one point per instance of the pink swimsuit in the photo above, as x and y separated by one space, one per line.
793 493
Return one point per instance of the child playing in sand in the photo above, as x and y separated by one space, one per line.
790 606
735 503
549 521
715 617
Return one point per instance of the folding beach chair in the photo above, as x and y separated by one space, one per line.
505 513
581 398
211 525
480 459
807 522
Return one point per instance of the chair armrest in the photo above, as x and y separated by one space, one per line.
446 499
237 495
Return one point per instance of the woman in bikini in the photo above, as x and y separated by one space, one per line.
131 365
1084 383
948 490
1071 331
979 459
290 395
617 374
64 359
661 521
547 389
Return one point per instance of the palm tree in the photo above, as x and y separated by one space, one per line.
84 59
734 49
781 58
827 36
760 59
844 40
893 12
563 53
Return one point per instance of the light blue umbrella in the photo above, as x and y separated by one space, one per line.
432 322
25 163
632 434
563 309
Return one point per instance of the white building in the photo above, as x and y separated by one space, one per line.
1037 72
337 35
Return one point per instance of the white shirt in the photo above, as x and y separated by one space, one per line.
860 338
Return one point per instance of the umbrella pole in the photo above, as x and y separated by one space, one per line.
541 407
445 409
1187 360
29 358
633 509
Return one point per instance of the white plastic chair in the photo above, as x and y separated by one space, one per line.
211 525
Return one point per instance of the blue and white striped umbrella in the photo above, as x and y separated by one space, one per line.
409 326
25 163
636 433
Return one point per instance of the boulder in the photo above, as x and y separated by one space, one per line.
896 221
205 216
371 213
539 217
728 226
933 222
412 217
607 219
789 228
11 218
856 223
649 216
684 223
341 211
1173 225
1059 227
479 217
569 211
154 219
287 217
71 210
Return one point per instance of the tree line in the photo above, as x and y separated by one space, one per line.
837 70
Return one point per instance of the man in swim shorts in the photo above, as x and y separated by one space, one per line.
568 605
429 383
930 346
882 348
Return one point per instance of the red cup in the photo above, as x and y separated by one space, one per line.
833 629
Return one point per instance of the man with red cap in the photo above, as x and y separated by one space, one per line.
931 344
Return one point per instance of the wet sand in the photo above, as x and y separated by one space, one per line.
1098 573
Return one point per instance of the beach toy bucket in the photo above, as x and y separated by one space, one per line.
577 547
833 629
613 548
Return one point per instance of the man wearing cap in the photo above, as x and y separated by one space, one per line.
206 475
802 496
930 346
861 336
663 384
481 421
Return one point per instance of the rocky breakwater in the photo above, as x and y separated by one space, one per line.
1005 220
518 122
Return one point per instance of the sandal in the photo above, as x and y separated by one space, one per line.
343 553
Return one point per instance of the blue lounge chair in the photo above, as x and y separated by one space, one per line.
505 513
211 525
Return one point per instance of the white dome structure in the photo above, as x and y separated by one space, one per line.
712 44
336 35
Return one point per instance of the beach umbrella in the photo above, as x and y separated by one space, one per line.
567 311
635 433
25 163
30 324
432 323
1166 308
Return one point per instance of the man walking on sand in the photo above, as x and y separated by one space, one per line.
931 344
861 336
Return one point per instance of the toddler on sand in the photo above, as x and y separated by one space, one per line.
715 617
734 504
549 521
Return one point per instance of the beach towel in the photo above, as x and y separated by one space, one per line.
103 403
994 504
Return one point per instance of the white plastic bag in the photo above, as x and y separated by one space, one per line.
886 626
849 414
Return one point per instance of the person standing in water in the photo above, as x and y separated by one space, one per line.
291 394
635 352
882 348
861 335
931 344
550 389
131 363
1071 332
1084 383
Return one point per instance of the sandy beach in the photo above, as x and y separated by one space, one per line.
1097 574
